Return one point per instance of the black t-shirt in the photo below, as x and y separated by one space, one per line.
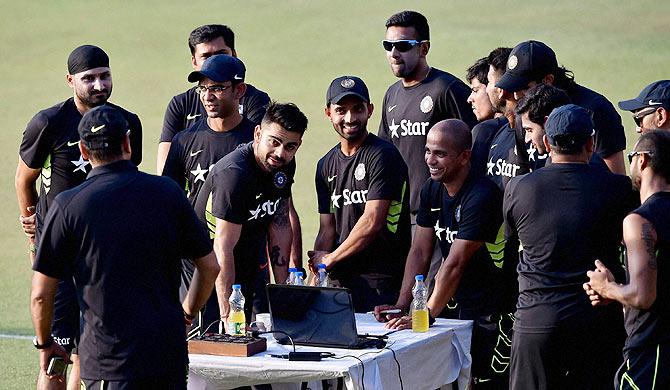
237 190
565 216
482 139
409 112
345 183
185 109
114 235
51 142
652 326
502 163
473 214
194 152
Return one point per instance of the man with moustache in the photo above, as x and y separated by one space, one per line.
49 151
363 196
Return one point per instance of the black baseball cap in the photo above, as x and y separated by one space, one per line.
569 122
102 127
220 68
656 94
528 61
345 86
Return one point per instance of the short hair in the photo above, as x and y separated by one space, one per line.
479 70
210 32
568 144
457 132
111 153
657 142
498 58
540 100
411 19
286 115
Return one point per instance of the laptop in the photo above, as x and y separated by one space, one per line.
317 316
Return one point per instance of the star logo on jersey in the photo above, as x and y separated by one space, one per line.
267 208
80 164
489 167
190 117
359 172
394 129
426 104
255 213
331 178
193 154
95 129
392 107
73 143
438 229
199 174
531 152
335 199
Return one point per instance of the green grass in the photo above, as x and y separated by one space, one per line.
292 50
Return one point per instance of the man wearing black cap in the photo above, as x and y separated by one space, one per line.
532 63
113 236
363 195
564 220
186 108
245 199
194 151
49 151
651 108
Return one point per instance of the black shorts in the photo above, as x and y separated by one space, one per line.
65 326
490 350
141 384
645 368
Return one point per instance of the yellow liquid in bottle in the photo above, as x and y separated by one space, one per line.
236 323
419 320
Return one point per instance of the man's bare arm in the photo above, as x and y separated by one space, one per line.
615 163
161 156
205 274
26 195
226 237
418 262
279 241
325 238
42 294
296 244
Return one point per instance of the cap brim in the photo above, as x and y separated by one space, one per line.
511 82
632 105
339 97
198 75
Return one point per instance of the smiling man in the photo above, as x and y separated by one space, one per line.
49 151
245 203
363 196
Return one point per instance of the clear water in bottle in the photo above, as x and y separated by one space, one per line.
298 279
236 320
419 305
291 275
324 280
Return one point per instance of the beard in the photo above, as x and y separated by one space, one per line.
94 99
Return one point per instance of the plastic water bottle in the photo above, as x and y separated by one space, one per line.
291 275
419 305
324 280
298 279
237 322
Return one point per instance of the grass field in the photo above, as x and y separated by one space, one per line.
292 50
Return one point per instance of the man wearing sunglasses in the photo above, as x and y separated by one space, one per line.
422 97
651 108
195 150
646 233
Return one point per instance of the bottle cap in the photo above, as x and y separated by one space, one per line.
321 266
418 278
292 270
237 286
299 273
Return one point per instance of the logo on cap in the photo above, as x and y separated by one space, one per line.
653 103
236 77
512 62
347 83
426 104
95 129
280 179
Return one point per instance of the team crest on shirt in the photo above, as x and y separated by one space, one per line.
457 213
512 62
426 104
280 180
359 173
347 83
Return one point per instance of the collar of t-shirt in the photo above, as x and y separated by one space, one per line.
116 166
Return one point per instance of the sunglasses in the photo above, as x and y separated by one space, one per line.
401 45
638 116
633 154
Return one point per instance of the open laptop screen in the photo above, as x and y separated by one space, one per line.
321 316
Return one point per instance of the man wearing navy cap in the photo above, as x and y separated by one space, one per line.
651 108
533 62
363 195
111 234
49 151
558 336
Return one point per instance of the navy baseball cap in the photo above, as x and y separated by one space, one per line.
528 61
653 95
345 86
102 127
220 68
569 122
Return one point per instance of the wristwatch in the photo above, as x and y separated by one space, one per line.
46 344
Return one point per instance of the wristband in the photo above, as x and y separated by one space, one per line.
46 344
189 317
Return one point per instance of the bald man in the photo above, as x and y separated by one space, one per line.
463 211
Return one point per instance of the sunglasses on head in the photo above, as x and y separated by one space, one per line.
402 45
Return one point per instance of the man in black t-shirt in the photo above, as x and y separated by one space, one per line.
245 201
363 194
463 211
645 295
186 108
651 108
113 235
565 219
49 152
532 63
